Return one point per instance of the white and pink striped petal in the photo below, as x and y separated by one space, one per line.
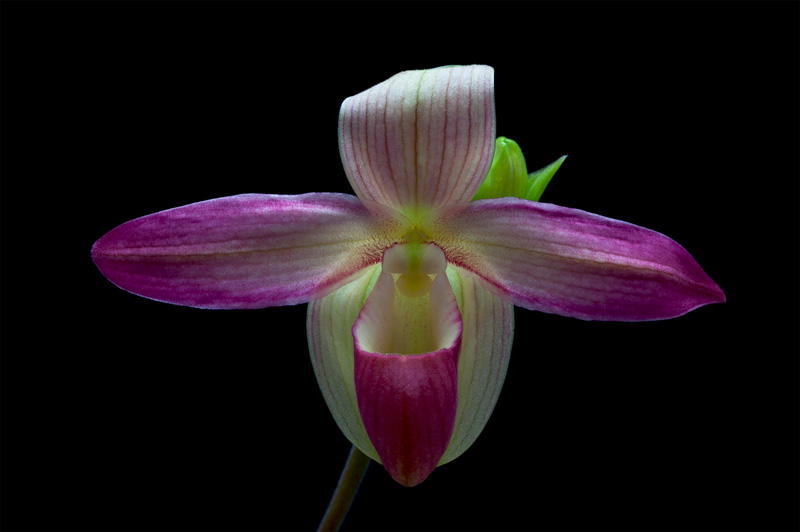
421 139
488 334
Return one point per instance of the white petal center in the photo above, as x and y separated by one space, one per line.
411 309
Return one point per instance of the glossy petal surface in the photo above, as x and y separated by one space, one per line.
247 251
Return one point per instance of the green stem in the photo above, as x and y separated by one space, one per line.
352 474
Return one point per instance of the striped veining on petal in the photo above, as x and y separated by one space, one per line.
570 262
247 251
330 342
488 334
421 139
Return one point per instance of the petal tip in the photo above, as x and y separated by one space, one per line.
412 477
408 407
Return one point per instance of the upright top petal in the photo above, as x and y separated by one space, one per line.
421 139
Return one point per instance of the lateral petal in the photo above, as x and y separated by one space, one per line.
247 251
330 342
420 139
488 334
574 263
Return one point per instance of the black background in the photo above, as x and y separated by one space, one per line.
120 413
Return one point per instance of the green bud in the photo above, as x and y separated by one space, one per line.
538 180
508 176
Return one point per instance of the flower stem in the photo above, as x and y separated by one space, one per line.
349 481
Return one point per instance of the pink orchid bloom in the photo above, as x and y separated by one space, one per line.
410 285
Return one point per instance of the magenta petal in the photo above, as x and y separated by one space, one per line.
408 406
406 375
247 251
574 263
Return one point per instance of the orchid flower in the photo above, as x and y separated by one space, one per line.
410 284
